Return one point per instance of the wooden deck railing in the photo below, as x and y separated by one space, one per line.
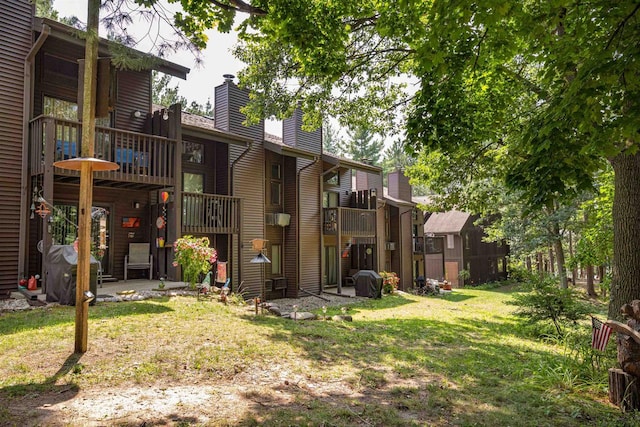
210 213
141 158
353 222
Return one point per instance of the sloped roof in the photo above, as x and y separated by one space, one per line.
70 34
395 201
195 120
450 222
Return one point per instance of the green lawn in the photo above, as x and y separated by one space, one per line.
404 360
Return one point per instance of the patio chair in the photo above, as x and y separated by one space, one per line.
139 258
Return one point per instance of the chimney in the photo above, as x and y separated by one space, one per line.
294 136
398 186
229 99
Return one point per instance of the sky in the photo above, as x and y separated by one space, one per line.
203 78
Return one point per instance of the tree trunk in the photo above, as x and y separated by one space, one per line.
540 262
559 252
551 260
528 263
591 290
625 282
574 270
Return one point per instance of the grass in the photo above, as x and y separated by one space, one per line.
405 360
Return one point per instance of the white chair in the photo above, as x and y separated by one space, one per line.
139 258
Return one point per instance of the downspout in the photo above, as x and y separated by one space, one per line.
240 232
322 256
26 117
298 276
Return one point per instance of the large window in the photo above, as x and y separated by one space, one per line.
67 110
193 182
194 152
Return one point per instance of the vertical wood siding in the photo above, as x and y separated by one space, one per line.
247 179
15 42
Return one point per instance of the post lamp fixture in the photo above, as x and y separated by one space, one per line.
260 245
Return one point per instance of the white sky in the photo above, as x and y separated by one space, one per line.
201 80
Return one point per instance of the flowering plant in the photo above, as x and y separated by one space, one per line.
195 256
390 282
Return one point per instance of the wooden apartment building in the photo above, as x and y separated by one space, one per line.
226 181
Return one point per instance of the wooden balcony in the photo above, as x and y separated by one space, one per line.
210 213
142 159
350 221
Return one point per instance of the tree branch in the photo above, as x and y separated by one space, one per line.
240 6
621 25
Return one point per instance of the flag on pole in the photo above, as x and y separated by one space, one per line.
600 334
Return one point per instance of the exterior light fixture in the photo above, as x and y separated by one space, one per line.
88 296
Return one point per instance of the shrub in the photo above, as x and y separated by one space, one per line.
546 302
390 282
195 257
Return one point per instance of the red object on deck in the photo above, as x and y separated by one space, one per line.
33 284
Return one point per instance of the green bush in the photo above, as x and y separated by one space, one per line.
547 303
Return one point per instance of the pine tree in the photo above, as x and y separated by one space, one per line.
331 141
362 146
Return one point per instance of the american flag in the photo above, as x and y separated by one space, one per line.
600 334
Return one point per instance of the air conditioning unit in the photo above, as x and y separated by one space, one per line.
390 246
282 219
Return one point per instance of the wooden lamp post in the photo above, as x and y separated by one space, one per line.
86 165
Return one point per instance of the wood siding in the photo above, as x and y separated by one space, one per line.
134 93
52 84
293 135
120 204
15 27
247 165
292 243
309 228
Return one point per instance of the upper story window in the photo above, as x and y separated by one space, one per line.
276 184
193 152
67 110
193 182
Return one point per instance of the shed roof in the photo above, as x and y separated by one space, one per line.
70 34
446 222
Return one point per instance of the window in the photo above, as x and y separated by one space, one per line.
467 244
276 259
275 171
276 184
193 152
67 110
193 182
330 199
450 244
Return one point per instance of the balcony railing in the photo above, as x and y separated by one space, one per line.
353 222
141 158
210 213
